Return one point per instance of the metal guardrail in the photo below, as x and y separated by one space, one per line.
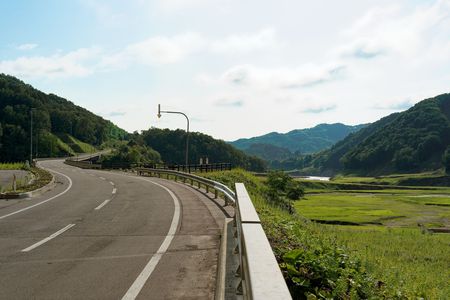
258 269
83 164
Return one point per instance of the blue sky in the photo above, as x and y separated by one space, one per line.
237 68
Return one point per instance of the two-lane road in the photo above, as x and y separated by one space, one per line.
109 235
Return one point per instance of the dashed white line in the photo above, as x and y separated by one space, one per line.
102 178
48 238
42 202
114 191
112 183
138 284
103 204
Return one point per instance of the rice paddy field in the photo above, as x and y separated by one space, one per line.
390 230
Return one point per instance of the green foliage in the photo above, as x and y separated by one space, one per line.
325 273
446 160
360 262
311 262
13 166
51 115
76 145
171 145
409 263
132 154
282 189
268 152
411 141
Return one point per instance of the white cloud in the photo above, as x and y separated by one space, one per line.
157 50
165 50
400 31
26 47
316 108
73 64
307 75
245 43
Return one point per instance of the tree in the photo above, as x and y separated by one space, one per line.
446 160
283 189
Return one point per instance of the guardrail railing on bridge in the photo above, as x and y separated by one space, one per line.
258 269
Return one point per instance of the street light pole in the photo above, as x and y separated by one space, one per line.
187 129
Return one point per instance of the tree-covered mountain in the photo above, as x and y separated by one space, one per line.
171 145
411 141
305 141
268 152
59 126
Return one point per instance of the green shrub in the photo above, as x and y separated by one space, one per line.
314 267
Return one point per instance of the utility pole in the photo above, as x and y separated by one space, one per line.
31 136
37 144
187 129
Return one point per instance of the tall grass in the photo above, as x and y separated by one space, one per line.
12 166
389 263
415 263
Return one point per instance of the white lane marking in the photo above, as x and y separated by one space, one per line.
91 174
51 237
112 183
102 178
114 191
42 202
138 284
103 204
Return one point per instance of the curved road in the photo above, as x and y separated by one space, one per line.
109 235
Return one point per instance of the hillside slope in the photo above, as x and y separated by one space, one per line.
411 141
56 123
305 141
170 144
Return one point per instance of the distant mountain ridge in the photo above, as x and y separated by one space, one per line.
411 141
304 141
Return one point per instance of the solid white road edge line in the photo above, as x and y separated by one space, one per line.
138 284
103 204
48 238
42 202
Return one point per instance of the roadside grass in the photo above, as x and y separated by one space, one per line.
399 260
75 145
64 147
13 166
81 147
324 265
417 262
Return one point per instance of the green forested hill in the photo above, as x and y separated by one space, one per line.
309 140
170 144
411 141
268 152
59 126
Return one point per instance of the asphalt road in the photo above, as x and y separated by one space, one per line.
109 235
